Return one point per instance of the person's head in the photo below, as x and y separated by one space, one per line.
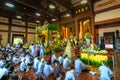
60 54
52 52
78 57
6 66
56 62
66 56
72 69
48 63
104 63
42 59
23 60
59 77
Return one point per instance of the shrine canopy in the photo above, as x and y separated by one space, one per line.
45 30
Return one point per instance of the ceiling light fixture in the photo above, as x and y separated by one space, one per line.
9 5
37 14
51 6
67 15
53 19
84 1
19 17
37 21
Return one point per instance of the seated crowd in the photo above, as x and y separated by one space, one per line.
10 57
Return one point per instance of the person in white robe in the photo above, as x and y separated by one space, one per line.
66 62
105 72
48 69
79 66
8 45
60 59
40 67
53 57
16 60
41 50
23 65
32 50
36 63
70 75
4 71
27 59
2 63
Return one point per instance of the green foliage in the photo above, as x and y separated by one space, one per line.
88 35
57 49
53 27
110 62
75 37
95 63
47 52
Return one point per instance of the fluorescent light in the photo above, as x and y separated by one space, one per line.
9 5
67 15
51 6
53 19
37 14
84 1
37 21
19 17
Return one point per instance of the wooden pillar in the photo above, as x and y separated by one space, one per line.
9 29
76 27
91 5
26 31
92 26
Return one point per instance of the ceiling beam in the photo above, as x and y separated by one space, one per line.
26 13
67 4
36 6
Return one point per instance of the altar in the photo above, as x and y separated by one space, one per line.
96 59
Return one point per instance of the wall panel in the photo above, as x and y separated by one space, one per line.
31 30
30 37
108 15
15 28
4 40
3 27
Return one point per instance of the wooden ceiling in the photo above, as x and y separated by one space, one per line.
28 8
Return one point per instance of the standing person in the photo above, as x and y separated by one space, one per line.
37 49
49 58
53 58
57 70
41 50
32 49
105 72
79 66
66 62
8 45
